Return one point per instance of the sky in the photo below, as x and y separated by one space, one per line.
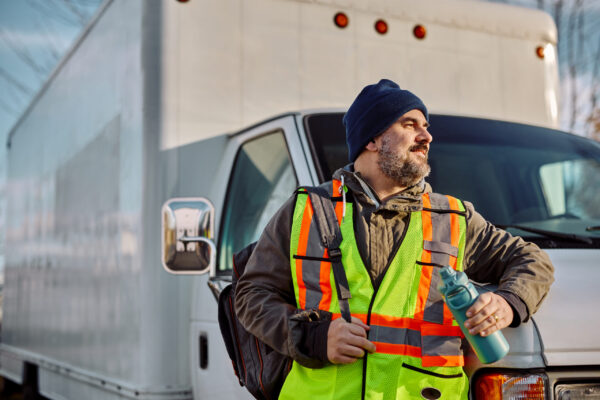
34 34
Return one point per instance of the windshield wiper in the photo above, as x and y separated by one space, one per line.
592 228
550 234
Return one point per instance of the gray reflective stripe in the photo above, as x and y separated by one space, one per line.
386 334
311 271
441 230
434 306
431 345
441 250
314 248
440 222
441 346
440 247
439 201
440 258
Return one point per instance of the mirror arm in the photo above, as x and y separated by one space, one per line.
217 285
192 239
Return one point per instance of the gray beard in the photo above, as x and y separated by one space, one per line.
402 170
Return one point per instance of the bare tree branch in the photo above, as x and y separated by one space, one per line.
573 54
557 11
540 4
596 76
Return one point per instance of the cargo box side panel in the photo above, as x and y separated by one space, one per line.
73 262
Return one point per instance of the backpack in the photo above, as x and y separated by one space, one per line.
257 366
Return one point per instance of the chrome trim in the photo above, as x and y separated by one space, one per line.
187 232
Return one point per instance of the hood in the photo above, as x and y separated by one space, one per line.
568 320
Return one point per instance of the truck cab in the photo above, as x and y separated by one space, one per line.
538 183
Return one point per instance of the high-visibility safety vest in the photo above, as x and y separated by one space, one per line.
418 342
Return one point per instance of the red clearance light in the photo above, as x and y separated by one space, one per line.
341 20
381 26
183 1
419 31
540 51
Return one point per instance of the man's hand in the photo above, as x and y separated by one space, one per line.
346 342
488 314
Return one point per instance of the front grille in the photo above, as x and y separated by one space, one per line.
577 391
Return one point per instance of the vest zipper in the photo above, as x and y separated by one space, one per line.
376 286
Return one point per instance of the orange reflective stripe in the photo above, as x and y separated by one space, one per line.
428 328
339 206
335 186
449 318
362 317
426 258
395 322
302 244
431 329
339 209
398 349
443 361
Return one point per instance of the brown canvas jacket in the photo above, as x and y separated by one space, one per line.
265 301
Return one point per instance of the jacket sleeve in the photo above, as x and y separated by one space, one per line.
521 269
265 300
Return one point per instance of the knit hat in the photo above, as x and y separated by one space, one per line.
374 110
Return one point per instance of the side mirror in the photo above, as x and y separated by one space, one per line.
187 232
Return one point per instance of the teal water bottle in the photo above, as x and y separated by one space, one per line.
459 295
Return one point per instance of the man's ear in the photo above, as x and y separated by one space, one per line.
371 146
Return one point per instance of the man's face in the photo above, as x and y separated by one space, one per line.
403 149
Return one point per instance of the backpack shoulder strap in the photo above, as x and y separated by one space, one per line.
331 238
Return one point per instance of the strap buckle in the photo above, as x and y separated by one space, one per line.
335 254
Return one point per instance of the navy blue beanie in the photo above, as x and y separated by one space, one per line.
374 110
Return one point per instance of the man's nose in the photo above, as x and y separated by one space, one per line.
424 136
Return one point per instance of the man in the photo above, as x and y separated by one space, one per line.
402 341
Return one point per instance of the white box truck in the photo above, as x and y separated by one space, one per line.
238 102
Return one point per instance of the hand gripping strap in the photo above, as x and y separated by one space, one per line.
331 238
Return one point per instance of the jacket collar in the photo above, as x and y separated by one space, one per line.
407 200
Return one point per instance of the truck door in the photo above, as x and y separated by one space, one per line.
260 170
268 166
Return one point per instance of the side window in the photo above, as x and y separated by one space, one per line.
262 179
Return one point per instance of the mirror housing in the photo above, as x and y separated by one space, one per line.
187 232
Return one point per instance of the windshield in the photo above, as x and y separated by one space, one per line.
514 174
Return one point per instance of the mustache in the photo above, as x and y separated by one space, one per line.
418 147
